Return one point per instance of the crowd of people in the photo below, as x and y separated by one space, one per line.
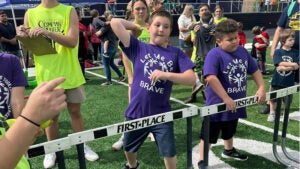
210 56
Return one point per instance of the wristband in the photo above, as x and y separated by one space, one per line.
27 119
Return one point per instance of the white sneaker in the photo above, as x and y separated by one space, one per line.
271 118
89 154
49 160
282 117
151 137
118 145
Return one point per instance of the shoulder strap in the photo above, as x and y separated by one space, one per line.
291 6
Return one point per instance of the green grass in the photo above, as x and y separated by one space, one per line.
106 105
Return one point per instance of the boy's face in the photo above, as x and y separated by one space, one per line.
229 42
160 30
289 42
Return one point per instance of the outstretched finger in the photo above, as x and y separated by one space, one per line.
51 85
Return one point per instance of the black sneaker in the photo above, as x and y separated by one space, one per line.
265 109
201 165
126 166
233 154
122 79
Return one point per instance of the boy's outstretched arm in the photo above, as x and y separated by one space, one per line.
120 27
261 92
219 90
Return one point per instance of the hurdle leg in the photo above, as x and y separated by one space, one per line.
60 159
288 100
206 139
80 153
189 142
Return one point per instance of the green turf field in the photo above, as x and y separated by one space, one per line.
105 105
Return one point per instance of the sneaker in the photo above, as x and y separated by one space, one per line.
122 79
197 88
105 55
271 118
151 137
106 84
118 144
49 160
201 164
126 166
233 154
265 109
87 79
282 117
89 154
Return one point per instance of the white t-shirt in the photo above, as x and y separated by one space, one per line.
184 21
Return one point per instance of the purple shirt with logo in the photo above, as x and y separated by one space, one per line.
231 69
11 75
150 98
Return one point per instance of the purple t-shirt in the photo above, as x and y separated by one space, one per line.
231 69
11 75
149 98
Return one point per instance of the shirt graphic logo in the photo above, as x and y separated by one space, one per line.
5 86
236 71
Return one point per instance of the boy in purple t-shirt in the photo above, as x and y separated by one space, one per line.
12 86
225 72
157 66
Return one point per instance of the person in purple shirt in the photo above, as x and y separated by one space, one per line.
225 72
157 66
12 86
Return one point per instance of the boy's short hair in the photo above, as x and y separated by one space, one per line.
206 17
2 12
225 27
240 25
162 14
256 30
285 34
94 13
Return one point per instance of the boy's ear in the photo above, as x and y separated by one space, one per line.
218 41
148 26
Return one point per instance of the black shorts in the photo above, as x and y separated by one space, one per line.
228 129
261 56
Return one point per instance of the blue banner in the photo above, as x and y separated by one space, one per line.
4 2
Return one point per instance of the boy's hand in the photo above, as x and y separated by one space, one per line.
157 75
230 104
261 94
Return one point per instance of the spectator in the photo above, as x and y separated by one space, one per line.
94 40
286 61
219 14
83 44
9 43
65 63
261 48
241 34
195 28
112 6
286 21
185 20
106 33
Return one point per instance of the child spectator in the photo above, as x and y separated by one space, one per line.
156 67
286 61
260 43
225 72
241 34
108 16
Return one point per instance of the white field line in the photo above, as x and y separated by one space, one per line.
270 130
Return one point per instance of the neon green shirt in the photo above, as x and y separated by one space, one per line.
23 163
217 21
65 63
